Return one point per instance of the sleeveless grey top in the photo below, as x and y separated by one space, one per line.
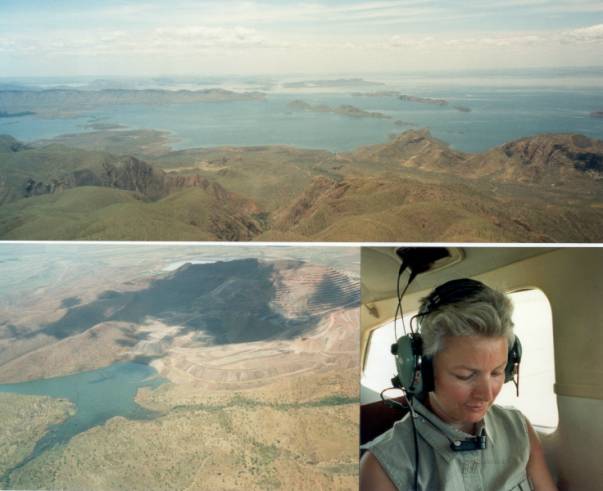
501 466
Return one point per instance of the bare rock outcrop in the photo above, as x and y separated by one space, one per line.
413 148
547 158
135 175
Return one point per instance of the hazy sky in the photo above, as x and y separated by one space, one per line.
152 37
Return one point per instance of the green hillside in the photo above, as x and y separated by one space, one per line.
94 213
542 189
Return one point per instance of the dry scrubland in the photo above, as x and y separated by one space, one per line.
115 185
25 419
274 413
281 436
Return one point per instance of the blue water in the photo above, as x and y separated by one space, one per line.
498 115
30 128
98 396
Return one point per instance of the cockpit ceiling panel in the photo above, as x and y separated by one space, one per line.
379 267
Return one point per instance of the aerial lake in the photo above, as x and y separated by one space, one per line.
98 396
491 116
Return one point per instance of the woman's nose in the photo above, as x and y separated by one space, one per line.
484 390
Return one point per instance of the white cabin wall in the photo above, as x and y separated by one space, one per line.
572 279
575 448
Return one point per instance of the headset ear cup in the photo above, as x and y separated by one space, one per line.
405 360
407 351
513 360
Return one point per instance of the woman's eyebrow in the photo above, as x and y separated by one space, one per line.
473 369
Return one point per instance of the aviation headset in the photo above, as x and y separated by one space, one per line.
415 371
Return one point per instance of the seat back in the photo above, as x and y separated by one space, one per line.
378 417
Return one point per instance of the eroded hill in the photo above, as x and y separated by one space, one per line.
199 305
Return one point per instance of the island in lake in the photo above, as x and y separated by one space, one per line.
345 110
432 101
5 114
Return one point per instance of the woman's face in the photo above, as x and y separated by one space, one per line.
469 373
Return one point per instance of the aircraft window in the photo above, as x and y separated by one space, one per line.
379 369
533 324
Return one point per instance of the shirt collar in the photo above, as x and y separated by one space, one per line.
440 434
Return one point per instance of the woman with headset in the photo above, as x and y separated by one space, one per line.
453 437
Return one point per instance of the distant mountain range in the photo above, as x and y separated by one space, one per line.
340 82
545 188
62 100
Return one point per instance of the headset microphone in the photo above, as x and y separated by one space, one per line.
479 442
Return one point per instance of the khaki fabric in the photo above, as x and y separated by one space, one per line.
499 467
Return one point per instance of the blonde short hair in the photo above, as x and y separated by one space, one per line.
463 307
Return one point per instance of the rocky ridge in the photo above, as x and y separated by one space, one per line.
414 187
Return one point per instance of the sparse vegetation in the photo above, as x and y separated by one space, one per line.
412 188
25 419
197 446
278 412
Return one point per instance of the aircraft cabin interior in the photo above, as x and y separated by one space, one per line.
558 315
